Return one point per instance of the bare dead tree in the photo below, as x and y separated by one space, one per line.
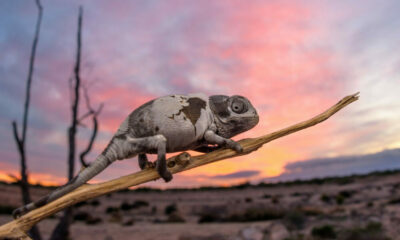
94 114
61 231
21 139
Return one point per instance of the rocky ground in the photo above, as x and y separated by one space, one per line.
349 208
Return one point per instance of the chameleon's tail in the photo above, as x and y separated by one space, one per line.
85 175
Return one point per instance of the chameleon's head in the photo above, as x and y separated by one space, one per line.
233 114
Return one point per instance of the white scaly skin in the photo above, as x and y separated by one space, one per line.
164 125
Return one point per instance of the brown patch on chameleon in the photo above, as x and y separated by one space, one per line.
191 111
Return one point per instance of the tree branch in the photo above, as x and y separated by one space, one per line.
16 138
179 163
94 114
92 137
30 72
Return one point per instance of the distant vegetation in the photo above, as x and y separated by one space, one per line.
324 232
170 209
372 231
6 210
315 181
251 214
125 206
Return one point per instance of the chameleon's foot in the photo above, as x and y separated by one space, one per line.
143 162
17 213
234 145
167 176
150 165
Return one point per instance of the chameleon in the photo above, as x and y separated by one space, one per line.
163 125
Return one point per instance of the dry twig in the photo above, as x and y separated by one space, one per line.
94 114
179 163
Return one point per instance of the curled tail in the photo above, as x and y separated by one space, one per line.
85 175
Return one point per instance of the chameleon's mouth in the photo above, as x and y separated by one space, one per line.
247 123
253 121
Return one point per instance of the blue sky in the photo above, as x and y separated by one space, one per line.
292 59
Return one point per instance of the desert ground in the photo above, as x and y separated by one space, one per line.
349 208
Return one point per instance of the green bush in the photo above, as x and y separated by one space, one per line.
255 214
170 209
175 217
296 237
372 231
125 206
7 210
80 204
93 221
140 203
275 200
295 220
309 211
394 201
154 210
129 222
324 232
95 203
346 194
81 216
266 196
339 199
137 204
209 217
111 209
325 198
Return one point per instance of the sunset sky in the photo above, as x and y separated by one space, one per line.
292 59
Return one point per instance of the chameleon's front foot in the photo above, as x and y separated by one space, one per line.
144 163
212 138
234 145
167 176
162 170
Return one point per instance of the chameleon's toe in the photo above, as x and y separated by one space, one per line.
143 161
142 165
17 213
234 145
150 165
238 148
167 176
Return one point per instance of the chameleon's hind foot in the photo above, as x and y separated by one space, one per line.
143 161
150 165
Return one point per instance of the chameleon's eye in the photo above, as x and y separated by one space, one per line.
238 106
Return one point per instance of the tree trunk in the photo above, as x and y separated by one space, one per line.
21 140
61 232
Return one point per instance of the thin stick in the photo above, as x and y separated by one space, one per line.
94 114
176 164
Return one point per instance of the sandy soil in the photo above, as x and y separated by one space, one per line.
348 207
